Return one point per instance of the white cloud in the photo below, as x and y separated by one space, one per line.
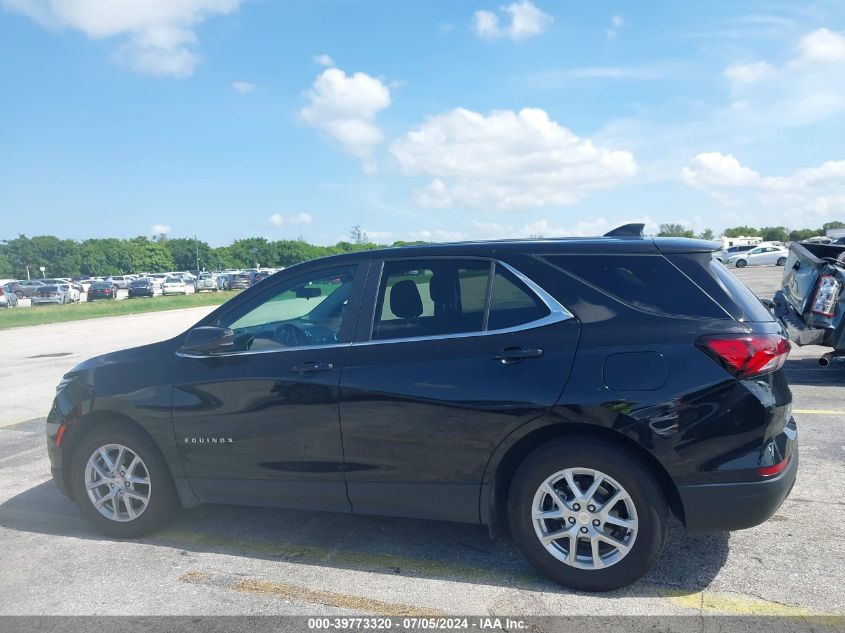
323 60
616 23
818 191
243 87
822 45
749 73
159 229
506 161
345 107
809 87
159 37
713 169
277 219
526 21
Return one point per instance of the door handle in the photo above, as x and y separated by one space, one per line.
511 355
311 367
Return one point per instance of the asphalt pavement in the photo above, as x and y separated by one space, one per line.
235 560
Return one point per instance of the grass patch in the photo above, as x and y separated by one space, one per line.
39 315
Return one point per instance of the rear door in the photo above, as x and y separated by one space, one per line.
450 356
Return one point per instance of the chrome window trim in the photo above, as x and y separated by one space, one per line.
557 314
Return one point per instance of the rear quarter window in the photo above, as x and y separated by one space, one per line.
646 282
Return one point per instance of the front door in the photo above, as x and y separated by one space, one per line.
259 425
456 354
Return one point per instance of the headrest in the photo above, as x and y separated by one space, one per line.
441 290
405 301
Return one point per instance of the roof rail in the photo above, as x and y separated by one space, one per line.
627 230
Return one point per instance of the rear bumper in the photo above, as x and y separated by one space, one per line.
736 506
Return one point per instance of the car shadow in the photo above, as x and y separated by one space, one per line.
807 371
404 547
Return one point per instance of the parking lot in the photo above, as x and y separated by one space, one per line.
232 560
120 295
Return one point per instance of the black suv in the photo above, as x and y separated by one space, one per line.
575 390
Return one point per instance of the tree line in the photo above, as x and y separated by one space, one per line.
767 233
112 256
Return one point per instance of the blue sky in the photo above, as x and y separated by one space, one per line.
417 120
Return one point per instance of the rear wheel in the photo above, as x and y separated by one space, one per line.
587 515
741 263
781 261
121 483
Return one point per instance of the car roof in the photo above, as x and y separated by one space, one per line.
564 245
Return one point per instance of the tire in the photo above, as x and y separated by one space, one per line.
741 263
617 468
781 261
162 498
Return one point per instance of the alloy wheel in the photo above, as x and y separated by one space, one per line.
117 482
584 518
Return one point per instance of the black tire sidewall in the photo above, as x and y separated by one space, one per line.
633 475
163 498
781 261
741 263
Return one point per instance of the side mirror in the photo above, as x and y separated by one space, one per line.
207 340
308 292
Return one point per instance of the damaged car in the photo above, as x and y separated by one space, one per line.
811 304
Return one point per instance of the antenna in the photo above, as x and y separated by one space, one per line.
627 230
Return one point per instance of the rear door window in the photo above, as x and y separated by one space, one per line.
438 297
646 282
430 298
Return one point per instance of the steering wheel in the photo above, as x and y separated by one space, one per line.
290 335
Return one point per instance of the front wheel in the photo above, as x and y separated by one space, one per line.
121 483
781 261
741 263
587 515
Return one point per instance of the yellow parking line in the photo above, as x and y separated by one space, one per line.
313 596
737 604
366 561
332 599
818 412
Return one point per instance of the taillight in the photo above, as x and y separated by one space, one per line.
2 292
776 469
746 355
827 294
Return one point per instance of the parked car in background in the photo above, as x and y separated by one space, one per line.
102 290
205 281
811 301
729 252
174 286
759 256
120 281
223 280
239 282
257 276
53 294
555 386
143 287
8 298
25 289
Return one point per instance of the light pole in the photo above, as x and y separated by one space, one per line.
197 245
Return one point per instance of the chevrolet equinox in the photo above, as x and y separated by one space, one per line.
575 390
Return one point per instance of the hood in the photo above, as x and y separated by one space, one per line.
120 357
